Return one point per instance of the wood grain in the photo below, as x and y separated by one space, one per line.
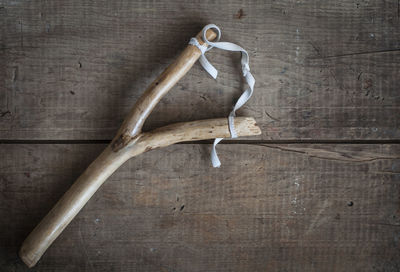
324 70
276 208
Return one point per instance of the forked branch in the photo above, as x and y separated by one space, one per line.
130 142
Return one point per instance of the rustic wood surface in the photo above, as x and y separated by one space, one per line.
269 208
324 69
327 77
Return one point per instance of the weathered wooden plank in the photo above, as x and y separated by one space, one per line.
324 69
275 208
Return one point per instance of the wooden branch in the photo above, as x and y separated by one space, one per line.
108 162
196 131
133 123
130 142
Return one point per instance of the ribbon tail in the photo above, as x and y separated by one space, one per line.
208 66
214 156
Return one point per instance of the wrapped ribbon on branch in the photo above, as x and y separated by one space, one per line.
214 73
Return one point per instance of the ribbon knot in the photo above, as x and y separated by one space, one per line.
214 73
202 47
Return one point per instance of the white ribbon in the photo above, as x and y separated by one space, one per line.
214 73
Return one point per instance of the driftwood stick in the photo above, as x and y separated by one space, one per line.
196 131
130 142
133 123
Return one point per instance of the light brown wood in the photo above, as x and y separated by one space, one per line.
130 142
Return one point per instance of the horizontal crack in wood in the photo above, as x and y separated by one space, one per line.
331 155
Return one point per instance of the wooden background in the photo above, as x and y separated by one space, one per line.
319 190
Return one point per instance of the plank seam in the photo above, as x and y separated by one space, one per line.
316 141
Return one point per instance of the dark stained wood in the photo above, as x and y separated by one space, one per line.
324 69
269 208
